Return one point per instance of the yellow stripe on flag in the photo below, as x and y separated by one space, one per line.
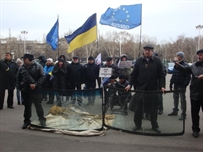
83 39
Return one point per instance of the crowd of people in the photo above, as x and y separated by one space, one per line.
148 74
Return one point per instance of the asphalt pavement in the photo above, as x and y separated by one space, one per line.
15 139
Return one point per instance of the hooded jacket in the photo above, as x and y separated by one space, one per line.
42 60
59 76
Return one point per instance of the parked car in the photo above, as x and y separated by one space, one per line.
133 62
170 67
189 64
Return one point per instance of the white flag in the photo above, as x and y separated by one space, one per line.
98 59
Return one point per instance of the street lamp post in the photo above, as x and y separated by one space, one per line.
199 27
24 32
120 48
12 53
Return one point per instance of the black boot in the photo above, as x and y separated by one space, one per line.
25 125
173 113
43 122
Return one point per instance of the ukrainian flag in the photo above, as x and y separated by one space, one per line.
86 34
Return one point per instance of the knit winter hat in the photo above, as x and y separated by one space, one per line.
61 60
50 59
180 54
19 61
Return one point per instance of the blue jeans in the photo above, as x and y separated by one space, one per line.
19 96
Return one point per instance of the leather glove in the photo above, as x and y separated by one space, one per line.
171 86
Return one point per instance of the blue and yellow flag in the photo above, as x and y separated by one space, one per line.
86 34
52 37
124 17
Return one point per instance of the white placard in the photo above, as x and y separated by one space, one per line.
105 72
125 64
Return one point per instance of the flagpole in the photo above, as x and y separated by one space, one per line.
97 31
58 35
140 40
140 35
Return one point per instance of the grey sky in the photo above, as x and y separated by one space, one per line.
163 19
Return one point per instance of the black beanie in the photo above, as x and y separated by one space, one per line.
91 58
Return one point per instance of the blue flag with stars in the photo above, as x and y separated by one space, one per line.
124 17
52 36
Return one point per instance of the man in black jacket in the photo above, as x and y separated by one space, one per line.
29 80
147 75
91 74
8 71
75 75
180 81
196 89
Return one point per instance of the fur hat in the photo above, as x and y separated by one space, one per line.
50 59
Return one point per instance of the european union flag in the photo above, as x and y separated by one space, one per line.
52 36
123 17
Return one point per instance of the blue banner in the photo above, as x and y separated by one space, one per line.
52 37
124 17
